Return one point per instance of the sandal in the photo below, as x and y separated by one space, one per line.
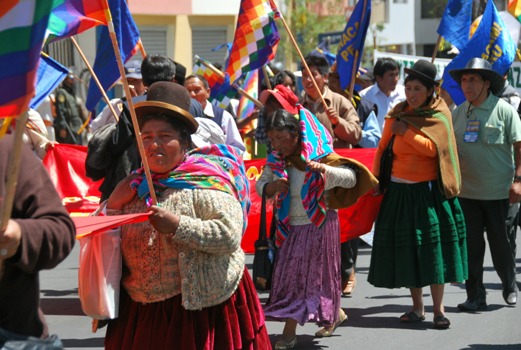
349 287
441 322
411 317
325 332
282 344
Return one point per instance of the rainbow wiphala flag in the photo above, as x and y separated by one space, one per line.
256 38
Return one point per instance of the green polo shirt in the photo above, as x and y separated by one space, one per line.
487 165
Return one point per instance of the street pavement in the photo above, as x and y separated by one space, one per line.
372 324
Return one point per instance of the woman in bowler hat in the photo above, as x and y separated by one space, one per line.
419 236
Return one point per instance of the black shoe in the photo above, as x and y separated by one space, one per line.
472 305
510 298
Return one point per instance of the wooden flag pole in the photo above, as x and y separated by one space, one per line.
357 53
95 77
353 77
221 74
266 77
435 53
518 54
141 148
304 62
141 48
13 169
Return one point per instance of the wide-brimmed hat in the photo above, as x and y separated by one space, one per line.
171 99
484 69
423 70
284 95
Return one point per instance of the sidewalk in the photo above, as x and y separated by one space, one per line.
372 324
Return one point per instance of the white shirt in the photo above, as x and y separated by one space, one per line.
105 116
382 101
229 127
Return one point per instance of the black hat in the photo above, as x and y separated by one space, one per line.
171 99
180 73
484 69
423 70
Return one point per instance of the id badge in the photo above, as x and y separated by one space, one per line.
472 131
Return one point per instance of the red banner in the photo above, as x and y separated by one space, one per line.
80 195
66 165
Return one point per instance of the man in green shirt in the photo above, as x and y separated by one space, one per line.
488 135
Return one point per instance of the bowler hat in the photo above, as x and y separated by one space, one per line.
171 99
484 69
287 99
423 70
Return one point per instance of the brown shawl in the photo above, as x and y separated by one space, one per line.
435 121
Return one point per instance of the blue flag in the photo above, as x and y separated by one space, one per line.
50 74
353 39
491 41
455 23
105 64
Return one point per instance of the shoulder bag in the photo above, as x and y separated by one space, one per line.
265 251
386 165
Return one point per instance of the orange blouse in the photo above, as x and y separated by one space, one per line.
415 155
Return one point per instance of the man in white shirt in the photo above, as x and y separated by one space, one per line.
386 92
200 91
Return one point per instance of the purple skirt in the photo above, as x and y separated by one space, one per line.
306 277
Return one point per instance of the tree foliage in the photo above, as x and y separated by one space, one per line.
306 23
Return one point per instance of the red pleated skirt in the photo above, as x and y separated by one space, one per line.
238 323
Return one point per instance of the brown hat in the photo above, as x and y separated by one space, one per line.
283 95
170 99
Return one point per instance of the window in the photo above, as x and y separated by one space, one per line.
433 8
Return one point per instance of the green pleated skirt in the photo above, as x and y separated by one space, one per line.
419 238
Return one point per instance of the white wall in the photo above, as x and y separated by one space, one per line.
400 28
215 7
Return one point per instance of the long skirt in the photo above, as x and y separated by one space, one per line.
306 276
419 238
238 323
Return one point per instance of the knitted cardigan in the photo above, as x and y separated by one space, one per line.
202 260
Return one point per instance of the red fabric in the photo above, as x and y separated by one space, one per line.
66 165
86 225
238 323
358 219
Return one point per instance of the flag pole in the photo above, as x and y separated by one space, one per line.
141 148
13 169
95 77
353 76
303 61
221 74
266 77
357 54
141 48
435 53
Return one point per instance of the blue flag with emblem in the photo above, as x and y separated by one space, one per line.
455 23
491 41
352 42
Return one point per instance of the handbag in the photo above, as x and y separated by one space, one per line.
265 251
386 165
13 341
99 274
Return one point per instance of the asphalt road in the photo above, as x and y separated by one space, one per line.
372 324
